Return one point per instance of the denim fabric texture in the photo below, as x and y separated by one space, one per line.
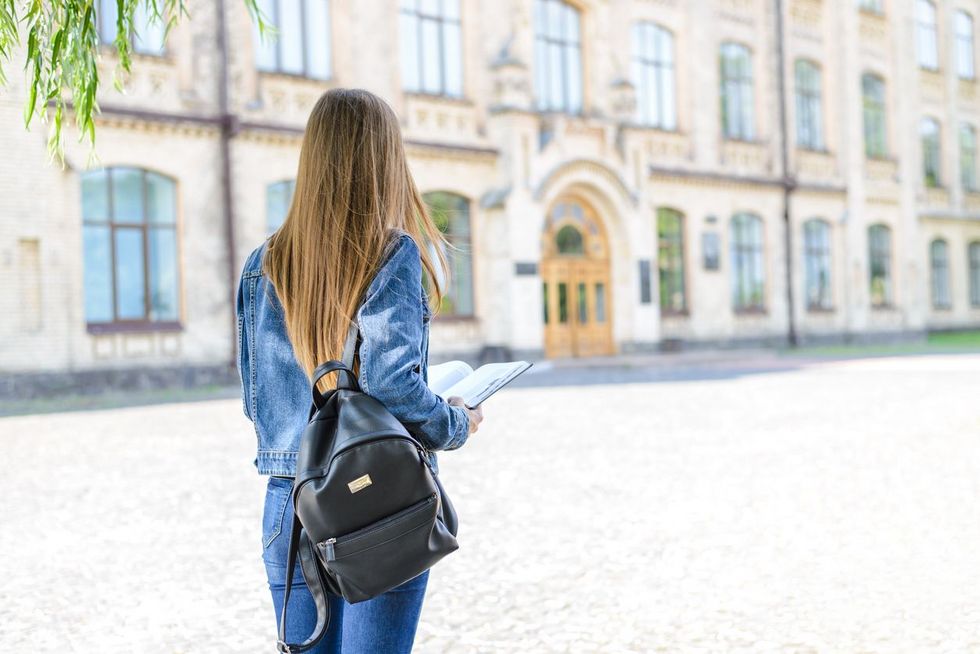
394 323
386 623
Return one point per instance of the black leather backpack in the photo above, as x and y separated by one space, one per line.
369 512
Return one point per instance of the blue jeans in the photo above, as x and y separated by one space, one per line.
386 623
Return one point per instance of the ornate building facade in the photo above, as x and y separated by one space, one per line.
617 175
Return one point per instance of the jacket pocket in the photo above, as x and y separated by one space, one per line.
389 552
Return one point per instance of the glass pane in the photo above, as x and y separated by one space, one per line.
556 86
544 300
562 302
127 195
429 7
583 307
574 80
107 20
160 199
668 102
95 196
450 9
277 199
290 37
431 64
163 274
408 47
569 241
540 74
130 293
98 274
600 302
453 59
318 39
265 48
149 37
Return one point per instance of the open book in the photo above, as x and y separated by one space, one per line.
474 386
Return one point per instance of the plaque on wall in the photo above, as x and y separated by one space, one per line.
710 251
525 268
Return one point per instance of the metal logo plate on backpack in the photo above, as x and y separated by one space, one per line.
360 483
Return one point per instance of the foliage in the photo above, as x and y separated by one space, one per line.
62 53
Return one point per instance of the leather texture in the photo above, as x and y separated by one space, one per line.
369 510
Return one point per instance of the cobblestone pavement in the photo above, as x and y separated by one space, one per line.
830 508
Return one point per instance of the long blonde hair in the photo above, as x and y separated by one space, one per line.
353 192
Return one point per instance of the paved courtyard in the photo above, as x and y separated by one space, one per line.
790 506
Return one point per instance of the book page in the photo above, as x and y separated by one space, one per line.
444 375
486 380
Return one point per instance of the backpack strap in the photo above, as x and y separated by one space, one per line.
299 544
350 345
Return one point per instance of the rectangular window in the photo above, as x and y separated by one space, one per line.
302 43
968 157
653 75
646 292
874 6
544 300
965 56
600 300
809 121
748 272
880 265
149 28
927 41
931 152
562 302
816 246
973 254
557 57
873 99
939 264
670 260
129 247
737 93
583 304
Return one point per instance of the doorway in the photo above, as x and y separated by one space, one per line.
576 294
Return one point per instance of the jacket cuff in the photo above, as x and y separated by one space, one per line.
462 428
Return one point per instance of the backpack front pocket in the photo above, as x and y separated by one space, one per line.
388 552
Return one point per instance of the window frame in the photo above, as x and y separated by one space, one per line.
134 44
964 47
678 264
939 278
968 152
743 85
927 35
647 35
809 104
881 249
466 245
542 73
821 251
441 19
873 106
117 324
930 140
274 20
973 268
754 253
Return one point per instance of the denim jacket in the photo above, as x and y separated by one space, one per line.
394 323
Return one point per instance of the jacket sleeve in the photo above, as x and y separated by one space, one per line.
243 354
390 321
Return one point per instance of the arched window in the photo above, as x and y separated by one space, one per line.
431 49
880 265
737 95
748 263
557 56
302 44
569 240
965 63
939 264
653 75
129 229
973 254
809 121
875 132
816 248
931 151
670 259
278 197
925 33
451 214
968 157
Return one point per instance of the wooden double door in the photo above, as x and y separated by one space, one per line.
576 294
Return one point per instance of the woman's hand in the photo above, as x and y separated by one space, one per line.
476 413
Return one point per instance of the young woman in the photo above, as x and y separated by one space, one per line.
352 247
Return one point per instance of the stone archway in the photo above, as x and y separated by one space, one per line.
575 276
